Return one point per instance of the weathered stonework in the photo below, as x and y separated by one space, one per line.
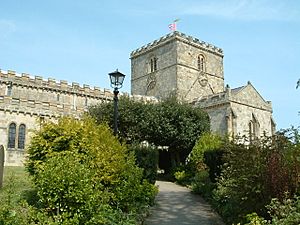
29 101
231 111
178 71
192 70
175 64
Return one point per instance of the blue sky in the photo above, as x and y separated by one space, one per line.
82 41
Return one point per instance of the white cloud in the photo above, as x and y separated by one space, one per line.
7 27
248 10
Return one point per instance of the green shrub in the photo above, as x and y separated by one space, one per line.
165 123
147 159
202 184
254 173
183 174
79 167
207 154
286 212
65 184
254 219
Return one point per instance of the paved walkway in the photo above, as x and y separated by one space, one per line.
176 205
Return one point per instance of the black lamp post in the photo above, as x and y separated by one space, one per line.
116 82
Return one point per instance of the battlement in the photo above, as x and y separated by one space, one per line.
212 100
232 96
40 97
26 80
179 36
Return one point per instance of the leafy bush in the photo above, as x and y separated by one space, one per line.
147 159
207 154
166 123
202 184
80 169
254 173
286 212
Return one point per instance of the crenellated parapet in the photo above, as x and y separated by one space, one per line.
212 101
22 93
37 82
244 95
36 96
179 36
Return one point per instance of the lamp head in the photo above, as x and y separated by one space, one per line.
116 79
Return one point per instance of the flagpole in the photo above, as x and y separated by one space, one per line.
173 26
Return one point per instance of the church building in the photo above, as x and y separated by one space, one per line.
175 64
192 70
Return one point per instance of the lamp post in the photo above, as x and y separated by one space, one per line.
116 82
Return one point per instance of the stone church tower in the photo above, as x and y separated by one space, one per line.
177 64
192 70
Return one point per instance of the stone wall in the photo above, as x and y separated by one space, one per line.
177 68
232 110
30 101
163 78
166 66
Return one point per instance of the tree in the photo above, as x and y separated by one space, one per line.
167 123
82 172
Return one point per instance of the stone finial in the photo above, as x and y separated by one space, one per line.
75 85
63 83
38 79
51 81
25 76
11 72
86 86
228 90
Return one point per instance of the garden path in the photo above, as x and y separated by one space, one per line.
176 205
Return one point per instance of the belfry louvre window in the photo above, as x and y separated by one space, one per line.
153 64
12 136
201 63
21 136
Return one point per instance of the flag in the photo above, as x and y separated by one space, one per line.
172 26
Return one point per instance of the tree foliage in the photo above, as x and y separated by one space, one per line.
247 175
80 169
147 159
255 173
167 123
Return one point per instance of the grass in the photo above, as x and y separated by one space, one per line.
16 182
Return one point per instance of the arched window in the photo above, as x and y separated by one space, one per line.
254 128
21 136
153 64
201 63
12 135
